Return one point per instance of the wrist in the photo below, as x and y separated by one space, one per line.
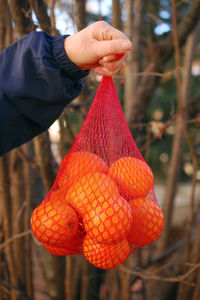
63 61
67 47
75 52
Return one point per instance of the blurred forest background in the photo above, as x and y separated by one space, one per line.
159 89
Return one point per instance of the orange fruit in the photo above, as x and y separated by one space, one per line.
133 176
107 219
60 250
80 163
147 221
86 189
56 194
54 222
71 247
105 256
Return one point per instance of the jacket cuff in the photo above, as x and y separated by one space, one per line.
63 62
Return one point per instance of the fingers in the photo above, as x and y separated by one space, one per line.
114 57
108 48
109 58
98 42
111 67
101 31
104 72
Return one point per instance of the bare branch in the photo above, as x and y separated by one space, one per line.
14 237
7 288
23 24
3 13
25 158
52 18
148 276
45 159
183 30
41 13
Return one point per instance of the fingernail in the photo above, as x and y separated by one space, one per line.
126 45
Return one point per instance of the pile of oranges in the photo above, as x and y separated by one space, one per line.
100 211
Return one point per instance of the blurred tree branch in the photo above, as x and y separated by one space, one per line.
150 276
3 6
160 52
40 9
14 237
22 22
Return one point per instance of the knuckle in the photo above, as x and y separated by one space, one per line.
101 23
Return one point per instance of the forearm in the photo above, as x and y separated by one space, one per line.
15 129
37 81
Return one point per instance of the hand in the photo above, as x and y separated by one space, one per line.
98 46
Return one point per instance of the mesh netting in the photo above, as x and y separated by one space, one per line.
102 203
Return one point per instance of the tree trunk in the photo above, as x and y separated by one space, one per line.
40 9
125 281
9 29
192 41
116 22
183 93
2 24
161 52
186 291
114 288
132 102
175 163
128 29
76 276
18 9
7 227
45 160
172 182
68 277
17 215
80 19
116 14
62 150
95 278
80 15
85 280
54 31
28 187
197 287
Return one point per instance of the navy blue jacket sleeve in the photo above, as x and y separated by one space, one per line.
37 80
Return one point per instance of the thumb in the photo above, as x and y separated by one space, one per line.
104 48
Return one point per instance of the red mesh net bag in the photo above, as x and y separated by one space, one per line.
102 203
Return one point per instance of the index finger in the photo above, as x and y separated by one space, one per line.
114 57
